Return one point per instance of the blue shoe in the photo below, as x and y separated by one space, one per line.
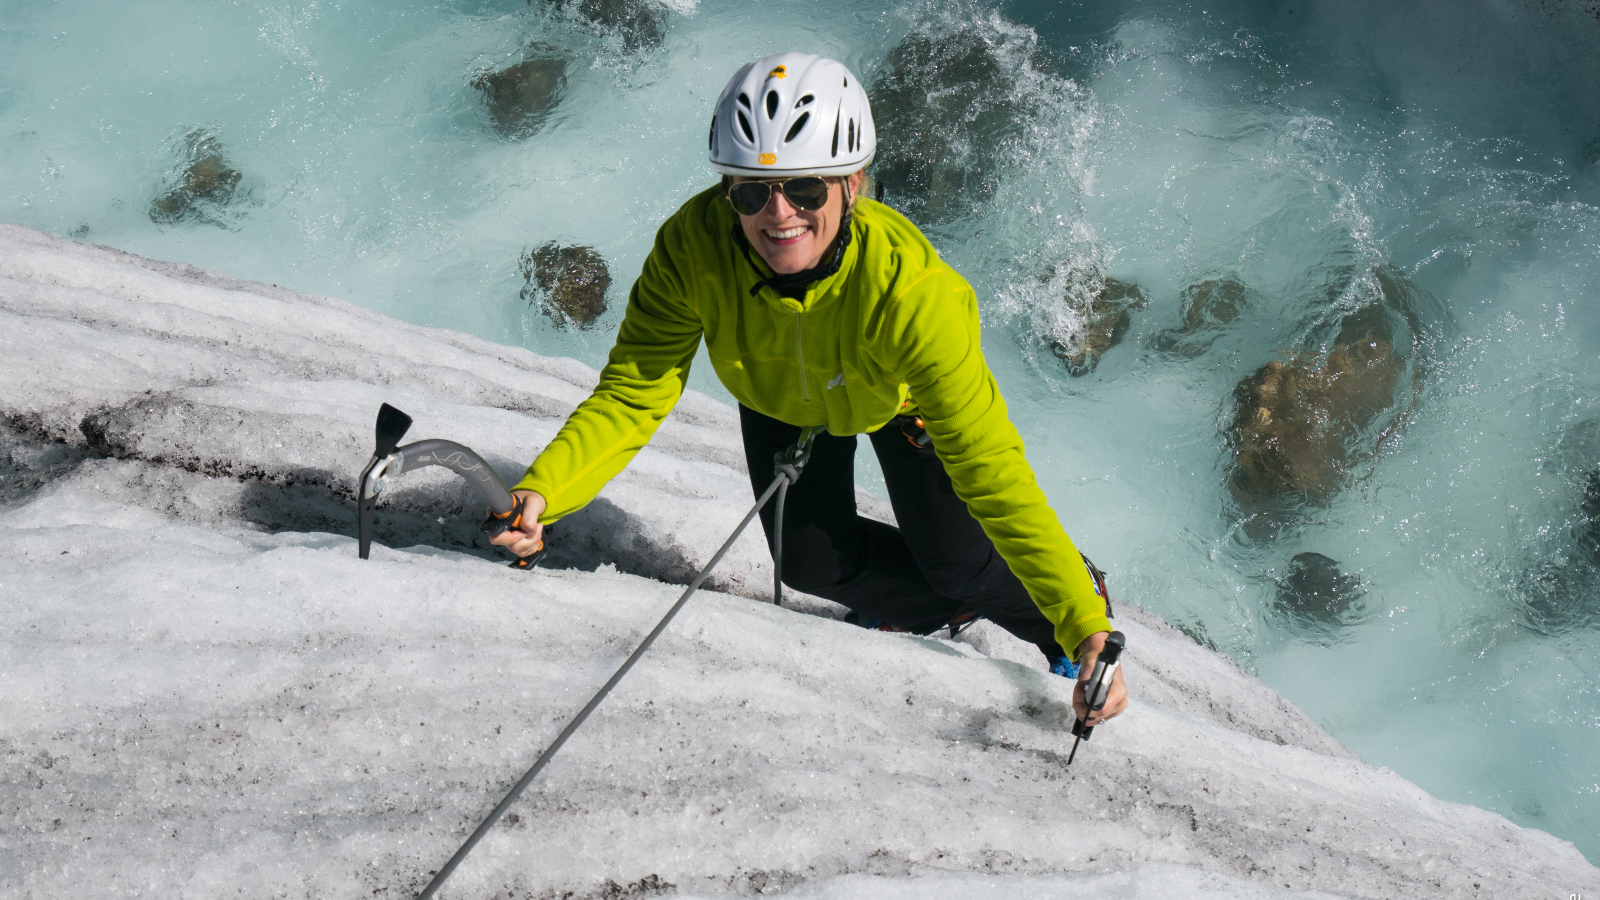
1064 667
872 623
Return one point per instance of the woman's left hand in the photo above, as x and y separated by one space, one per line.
1116 701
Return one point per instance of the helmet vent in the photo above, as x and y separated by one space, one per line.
836 134
795 128
804 100
745 99
744 125
772 104
852 144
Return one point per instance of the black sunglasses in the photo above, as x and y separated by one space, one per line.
808 192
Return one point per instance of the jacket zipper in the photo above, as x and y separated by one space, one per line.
800 354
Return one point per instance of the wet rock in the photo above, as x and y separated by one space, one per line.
203 183
1587 531
1297 422
519 98
1559 586
1110 317
1213 303
1313 588
943 108
571 282
1207 307
1300 424
639 24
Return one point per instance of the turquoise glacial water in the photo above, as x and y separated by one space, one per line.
1303 149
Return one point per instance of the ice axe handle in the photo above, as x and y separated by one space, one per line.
511 520
1098 689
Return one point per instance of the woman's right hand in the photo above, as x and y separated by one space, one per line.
528 537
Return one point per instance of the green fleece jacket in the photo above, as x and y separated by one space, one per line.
895 330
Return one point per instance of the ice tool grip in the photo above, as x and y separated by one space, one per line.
1105 669
511 520
1098 689
502 522
527 563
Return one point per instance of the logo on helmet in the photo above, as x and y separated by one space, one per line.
768 159
779 72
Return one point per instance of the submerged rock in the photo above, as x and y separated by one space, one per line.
943 108
1207 307
1213 303
203 183
1559 586
1299 425
1587 532
1314 588
1110 316
1297 422
519 98
639 24
572 281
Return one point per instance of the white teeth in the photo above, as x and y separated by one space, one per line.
787 233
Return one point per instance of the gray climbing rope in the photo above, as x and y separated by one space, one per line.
786 471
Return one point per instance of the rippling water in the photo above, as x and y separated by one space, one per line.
1320 156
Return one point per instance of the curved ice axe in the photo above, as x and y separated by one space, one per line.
388 459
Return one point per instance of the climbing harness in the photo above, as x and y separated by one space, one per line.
505 514
915 430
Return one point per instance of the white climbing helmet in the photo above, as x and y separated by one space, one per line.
792 114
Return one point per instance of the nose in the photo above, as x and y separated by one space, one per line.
779 204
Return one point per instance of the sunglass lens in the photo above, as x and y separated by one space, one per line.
806 193
748 197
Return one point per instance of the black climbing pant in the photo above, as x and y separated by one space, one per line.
915 577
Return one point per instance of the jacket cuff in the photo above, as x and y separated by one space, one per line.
1071 633
531 483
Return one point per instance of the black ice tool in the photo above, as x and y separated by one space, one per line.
1099 687
388 459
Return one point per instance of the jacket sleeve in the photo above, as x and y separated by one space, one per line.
639 386
936 340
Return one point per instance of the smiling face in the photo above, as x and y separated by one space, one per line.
792 240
